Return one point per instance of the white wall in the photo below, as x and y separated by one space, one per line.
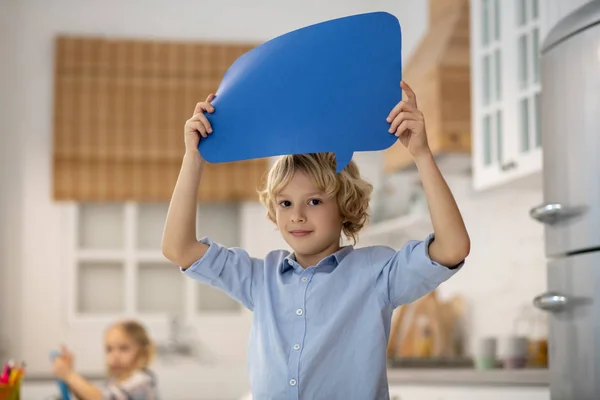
11 182
507 265
32 299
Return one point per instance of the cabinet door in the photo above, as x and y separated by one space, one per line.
488 70
505 91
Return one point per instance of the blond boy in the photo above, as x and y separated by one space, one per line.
322 313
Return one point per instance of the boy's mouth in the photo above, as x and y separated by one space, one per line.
299 233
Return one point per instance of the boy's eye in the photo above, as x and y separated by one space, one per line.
285 203
314 202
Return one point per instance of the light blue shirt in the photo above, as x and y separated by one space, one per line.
321 332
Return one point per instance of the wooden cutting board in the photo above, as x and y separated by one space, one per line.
441 318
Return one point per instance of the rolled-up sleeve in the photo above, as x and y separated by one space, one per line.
404 276
231 270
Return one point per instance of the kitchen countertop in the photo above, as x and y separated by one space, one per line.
468 377
440 376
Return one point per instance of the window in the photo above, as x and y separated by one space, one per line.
118 268
524 123
491 66
528 66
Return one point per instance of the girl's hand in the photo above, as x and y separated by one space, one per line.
408 124
63 364
61 368
67 356
198 125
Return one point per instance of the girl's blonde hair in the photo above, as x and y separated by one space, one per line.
351 191
139 335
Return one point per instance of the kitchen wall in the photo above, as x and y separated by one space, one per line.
11 183
506 267
505 270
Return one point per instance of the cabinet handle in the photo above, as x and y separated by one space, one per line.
508 166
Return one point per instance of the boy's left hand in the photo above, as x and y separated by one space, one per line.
408 124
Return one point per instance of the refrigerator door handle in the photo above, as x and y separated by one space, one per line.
551 301
552 213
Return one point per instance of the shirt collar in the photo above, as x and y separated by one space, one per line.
336 258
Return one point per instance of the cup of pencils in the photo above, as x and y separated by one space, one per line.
10 380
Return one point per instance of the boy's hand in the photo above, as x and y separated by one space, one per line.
408 124
198 125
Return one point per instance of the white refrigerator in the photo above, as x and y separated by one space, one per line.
570 124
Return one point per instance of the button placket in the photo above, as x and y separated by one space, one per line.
297 339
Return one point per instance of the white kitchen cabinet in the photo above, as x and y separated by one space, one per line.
505 42
506 39
410 392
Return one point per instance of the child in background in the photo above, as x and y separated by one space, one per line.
129 351
322 313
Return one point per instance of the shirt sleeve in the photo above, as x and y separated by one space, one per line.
139 386
406 275
231 270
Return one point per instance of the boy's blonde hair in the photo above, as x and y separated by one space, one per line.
351 191
139 335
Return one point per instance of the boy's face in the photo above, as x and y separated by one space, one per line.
309 221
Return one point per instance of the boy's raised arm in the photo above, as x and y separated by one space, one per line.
451 243
179 242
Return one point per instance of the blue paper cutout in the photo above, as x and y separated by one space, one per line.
328 87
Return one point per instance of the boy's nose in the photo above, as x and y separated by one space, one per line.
298 216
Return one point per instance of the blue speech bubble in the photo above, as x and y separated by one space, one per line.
328 87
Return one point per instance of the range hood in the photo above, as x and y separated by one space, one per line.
439 73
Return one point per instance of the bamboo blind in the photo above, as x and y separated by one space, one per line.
120 109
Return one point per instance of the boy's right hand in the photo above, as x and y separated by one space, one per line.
198 125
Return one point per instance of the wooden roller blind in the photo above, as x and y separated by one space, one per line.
119 111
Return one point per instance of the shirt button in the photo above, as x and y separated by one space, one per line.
296 347
292 382
299 311
304 279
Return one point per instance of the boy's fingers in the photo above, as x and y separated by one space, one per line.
410 94
203 106
204 121
198 108
199 126
403 116
401 106
404 127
